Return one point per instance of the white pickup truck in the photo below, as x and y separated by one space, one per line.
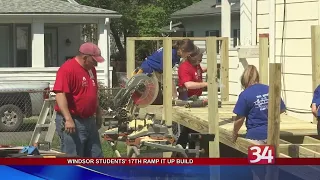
19 100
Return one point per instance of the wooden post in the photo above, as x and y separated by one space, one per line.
225 69
130 53
131 62
167 84
274 106
212 96
213 116
272 172
315 47
263 57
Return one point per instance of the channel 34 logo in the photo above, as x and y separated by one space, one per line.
261 154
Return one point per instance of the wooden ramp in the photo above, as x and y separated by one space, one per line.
297 136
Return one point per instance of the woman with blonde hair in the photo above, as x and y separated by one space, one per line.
252 105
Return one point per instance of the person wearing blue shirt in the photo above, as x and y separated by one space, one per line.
180 49
252 105
154 64
315 106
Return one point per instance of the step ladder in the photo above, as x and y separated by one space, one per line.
46 120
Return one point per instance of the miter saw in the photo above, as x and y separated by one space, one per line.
140 91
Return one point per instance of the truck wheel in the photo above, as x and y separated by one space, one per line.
11 118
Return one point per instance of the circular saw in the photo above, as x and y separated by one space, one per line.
145 89
140 91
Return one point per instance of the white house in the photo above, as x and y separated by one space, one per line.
289 26
290 42
37 36
203 19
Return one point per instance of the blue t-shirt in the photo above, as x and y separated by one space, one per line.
154 62
316 98
253 104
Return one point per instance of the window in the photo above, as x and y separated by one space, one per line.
5 44
15 45
215 33
23 46
236 37
188 34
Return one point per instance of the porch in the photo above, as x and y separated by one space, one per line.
35 51
37 40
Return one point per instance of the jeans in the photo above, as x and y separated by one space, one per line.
84 142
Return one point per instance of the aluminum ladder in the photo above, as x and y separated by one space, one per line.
46 120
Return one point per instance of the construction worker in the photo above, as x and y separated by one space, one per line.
252 105
190 85
78 114
154 63
190 75
315 104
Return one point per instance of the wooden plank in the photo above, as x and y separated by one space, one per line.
297 151
131 53
213 121
225 136
144 38
274 105
198 116
263 57
167 85
310 140
225 69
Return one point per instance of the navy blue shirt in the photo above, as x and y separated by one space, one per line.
316 98
154 62
253 104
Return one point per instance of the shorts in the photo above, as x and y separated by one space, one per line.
260 142
259 171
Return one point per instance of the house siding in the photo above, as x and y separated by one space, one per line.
36 74
296 56
199 26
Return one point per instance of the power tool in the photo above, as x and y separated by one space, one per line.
140 91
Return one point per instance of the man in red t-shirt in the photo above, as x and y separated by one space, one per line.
76 90
190 76
190 84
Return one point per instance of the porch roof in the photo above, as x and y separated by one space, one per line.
51 7
205 8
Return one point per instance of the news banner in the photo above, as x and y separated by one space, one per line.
263 155
261 160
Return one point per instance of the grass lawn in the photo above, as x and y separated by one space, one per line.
106 148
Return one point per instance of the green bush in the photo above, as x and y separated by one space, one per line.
106 96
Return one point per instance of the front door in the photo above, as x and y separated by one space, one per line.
50 47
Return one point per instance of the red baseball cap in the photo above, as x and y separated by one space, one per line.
93 50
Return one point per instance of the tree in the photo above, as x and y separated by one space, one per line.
139 18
